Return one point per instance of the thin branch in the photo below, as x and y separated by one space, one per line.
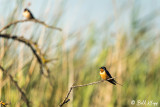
87 84
33 20
36 51
24 97
66 100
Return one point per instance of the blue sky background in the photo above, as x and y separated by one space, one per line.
79 13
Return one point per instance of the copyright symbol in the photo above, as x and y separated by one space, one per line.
132 102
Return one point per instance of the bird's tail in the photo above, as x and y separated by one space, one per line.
115 82
119 83
112 81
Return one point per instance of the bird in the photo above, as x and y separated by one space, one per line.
27 14
104 73
3 103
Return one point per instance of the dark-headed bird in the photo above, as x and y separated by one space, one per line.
27 14
106 75
3 104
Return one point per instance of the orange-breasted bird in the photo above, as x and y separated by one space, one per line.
3 103
104 73
27 14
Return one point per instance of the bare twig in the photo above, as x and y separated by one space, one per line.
33 20
24 97
36 51
66 100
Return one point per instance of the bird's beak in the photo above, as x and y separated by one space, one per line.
101 69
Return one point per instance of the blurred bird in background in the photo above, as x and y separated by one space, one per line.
3 104
27 14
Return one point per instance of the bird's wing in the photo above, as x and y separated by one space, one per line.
108 73
31 14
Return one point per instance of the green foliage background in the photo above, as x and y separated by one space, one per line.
132 56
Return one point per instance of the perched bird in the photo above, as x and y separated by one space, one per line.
106 75
3 103
27 14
